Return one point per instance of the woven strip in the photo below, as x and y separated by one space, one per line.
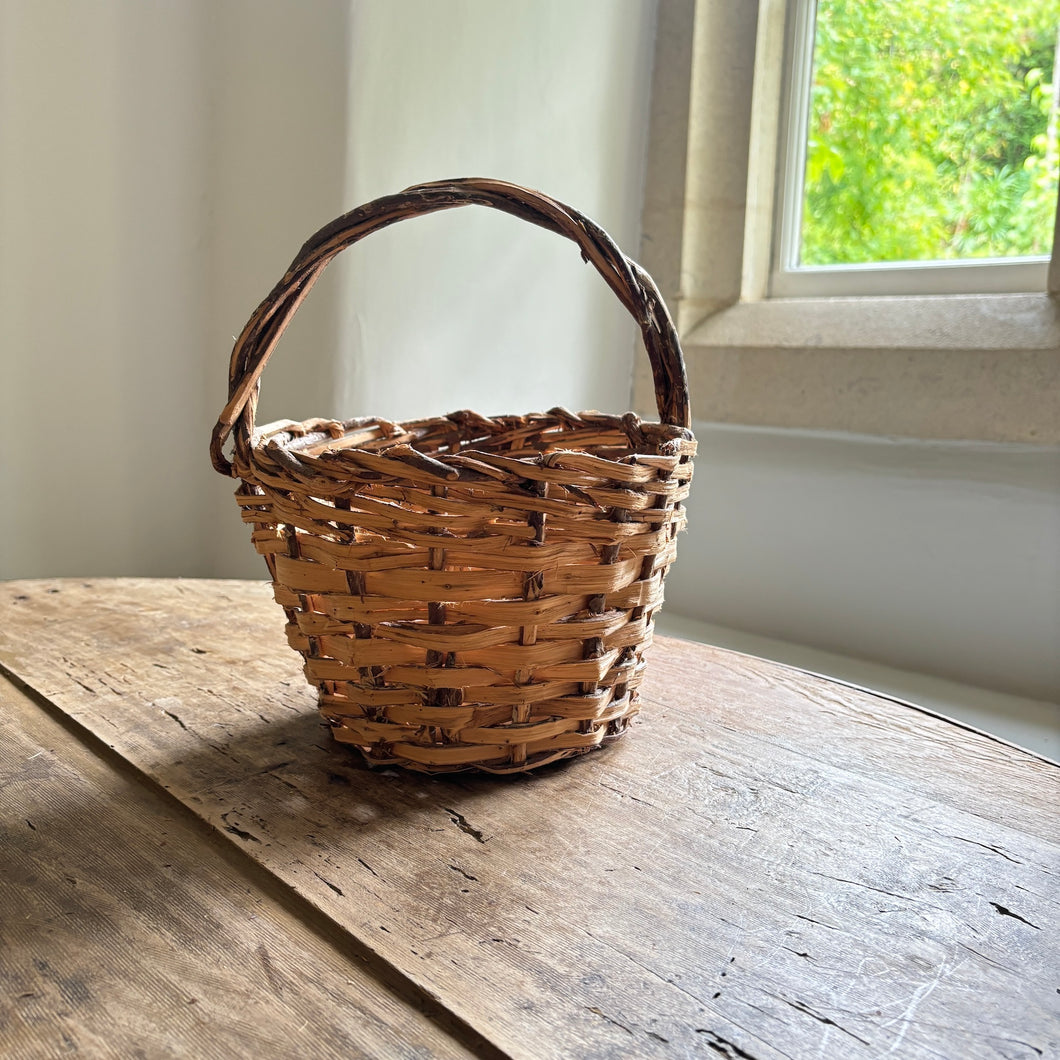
467 592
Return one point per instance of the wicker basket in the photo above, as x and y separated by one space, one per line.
467 592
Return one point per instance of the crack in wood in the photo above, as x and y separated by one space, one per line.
982 956
77 681
287 783
877 890
236 831
1015 916
461 822
337 890
655 974
728 1049
1026 1045
170 714
987 846
625 794
819 923
799 1006
604 1016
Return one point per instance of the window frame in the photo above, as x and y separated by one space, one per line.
943 366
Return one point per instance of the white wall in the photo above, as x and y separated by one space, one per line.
162 162
103 293
938 557
486 311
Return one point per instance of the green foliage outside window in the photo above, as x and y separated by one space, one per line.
932 131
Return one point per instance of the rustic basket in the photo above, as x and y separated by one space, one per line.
467 592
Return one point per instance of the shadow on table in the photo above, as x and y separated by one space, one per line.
283 780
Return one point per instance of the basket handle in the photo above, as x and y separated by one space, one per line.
634 287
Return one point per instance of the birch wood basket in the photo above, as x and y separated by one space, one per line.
467 591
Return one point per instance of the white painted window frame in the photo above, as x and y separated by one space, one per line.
977 366
789 278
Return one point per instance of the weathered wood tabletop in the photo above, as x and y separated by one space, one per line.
769 865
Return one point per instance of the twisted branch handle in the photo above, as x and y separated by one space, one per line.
634 287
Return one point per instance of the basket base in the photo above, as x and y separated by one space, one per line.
442 758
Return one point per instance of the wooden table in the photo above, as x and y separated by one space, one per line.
770 865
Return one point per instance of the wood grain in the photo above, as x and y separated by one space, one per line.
126 932
772 865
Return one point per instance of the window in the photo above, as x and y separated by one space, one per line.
919 147
967 364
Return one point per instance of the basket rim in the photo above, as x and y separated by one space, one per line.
304 449
471 429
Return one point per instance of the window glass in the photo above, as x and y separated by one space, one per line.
930 131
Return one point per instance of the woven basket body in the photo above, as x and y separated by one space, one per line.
467 592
